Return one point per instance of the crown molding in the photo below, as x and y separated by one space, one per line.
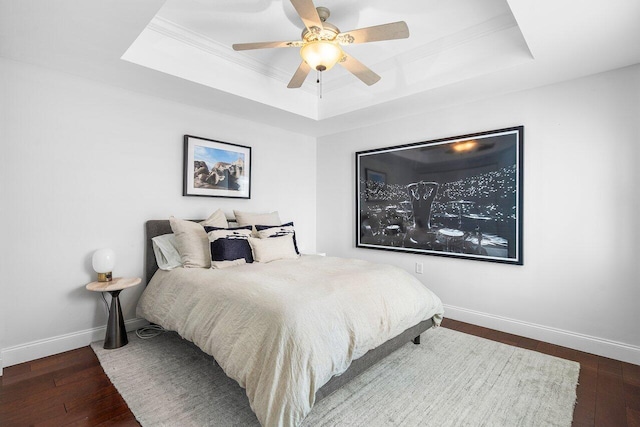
498 24
435 48
194 39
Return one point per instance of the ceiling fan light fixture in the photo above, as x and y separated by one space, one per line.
321 55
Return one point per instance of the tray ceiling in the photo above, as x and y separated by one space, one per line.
459 51
449 42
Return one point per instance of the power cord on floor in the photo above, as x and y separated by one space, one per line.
150 331
106 305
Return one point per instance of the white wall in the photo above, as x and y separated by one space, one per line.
83 166
579 283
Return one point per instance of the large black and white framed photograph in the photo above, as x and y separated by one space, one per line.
457 197
216 169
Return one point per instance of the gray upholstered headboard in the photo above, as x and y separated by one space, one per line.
153 228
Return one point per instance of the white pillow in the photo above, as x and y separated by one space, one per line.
225 264
192 241
273 248
251 218
216 219
265 232
166 250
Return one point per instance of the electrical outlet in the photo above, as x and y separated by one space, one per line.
419 268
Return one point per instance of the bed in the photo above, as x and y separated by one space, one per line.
283 389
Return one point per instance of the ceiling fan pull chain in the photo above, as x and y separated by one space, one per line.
319 82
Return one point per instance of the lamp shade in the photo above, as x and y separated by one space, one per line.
103 260
321 55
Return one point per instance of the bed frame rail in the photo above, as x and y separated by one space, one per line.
360 365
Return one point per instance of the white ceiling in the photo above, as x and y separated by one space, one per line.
458 51
450 42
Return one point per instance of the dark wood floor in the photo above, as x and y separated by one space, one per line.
72 389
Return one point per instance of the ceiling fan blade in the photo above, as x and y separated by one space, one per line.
307 11
299 76
392 31
266 45
359 70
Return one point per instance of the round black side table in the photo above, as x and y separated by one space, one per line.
116 336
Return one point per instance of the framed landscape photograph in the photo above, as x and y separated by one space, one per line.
458 197
216 169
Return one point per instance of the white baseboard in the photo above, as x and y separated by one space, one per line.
589 344
49 346
602 347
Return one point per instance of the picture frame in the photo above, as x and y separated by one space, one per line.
458 197
216 169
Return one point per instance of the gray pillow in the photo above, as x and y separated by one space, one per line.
166 250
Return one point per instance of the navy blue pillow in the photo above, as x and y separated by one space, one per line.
231 249
230 245
278 231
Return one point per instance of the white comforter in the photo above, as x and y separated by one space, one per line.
283 329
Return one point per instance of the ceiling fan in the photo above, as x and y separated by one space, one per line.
321 43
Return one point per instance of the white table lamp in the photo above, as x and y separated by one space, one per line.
103 261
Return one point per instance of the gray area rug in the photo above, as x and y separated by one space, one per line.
451 379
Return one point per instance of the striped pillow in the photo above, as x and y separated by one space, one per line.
266 231
229 244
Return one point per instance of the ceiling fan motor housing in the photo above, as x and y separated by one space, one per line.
323 13
329 32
